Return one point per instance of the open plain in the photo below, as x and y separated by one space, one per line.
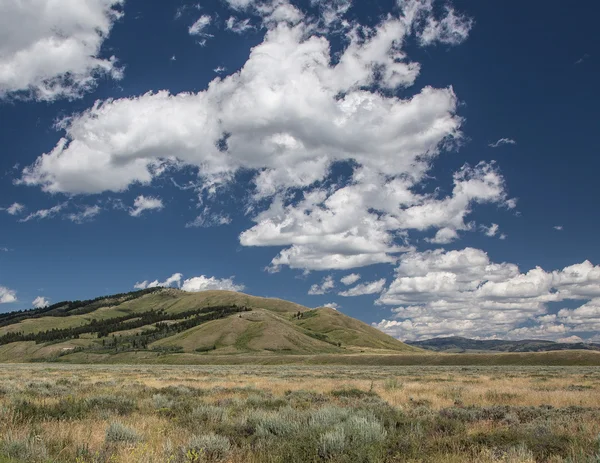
155 413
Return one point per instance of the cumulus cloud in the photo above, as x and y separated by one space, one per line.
289 114
372 287
558 227
326 285
502 141
332 305
7 295
350 279
85 214
443 236
357 225
52 49
195 284
145 203
40 302
174 279
462 292
203 283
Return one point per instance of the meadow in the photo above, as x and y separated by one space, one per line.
176 414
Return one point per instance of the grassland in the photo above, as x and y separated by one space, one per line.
152 413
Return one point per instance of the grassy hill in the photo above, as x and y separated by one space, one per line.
160 322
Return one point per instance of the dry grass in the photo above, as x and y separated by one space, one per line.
63 413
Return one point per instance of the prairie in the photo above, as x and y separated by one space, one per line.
298 413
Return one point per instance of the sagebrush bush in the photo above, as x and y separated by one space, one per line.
208 447
28 449
332 443
119 433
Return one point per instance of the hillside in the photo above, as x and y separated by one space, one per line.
457 344
159 322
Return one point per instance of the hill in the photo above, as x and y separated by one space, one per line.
457 344
158 322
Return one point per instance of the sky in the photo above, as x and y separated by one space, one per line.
426 166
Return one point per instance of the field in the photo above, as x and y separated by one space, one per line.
172 414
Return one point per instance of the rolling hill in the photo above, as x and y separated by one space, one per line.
457 344
160 321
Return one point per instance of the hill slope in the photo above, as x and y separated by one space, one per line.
457 344
167 321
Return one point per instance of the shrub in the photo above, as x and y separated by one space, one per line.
285 422
161 401
30 449
208 447
365 431
392 384
328 416
119 433
208 414
332 443
111 403
353 392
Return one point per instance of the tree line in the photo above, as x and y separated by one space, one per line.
104 328
66 308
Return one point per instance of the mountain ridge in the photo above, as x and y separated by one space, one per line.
459 344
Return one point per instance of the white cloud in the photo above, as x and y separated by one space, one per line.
145 203
356 225
87 213
209 219
14 209
463 293
40 302
51 49
326 285
174 279
240 4
452 29
558 227
203 283
443 236
219 70
7 295
332 305
372 287
286 116
350 279
332 11
239 26
198 27
490 231
195 284
502 141
44 213
108 147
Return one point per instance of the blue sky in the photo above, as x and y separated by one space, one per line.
428 167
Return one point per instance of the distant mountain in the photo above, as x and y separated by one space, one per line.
457 344
141 325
